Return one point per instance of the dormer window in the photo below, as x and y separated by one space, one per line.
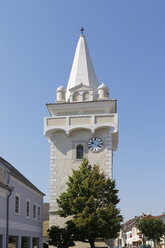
79 152
86 96
76 97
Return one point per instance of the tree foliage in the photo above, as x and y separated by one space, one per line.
152 228
90 200
61 237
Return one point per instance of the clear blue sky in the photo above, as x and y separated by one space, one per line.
126 40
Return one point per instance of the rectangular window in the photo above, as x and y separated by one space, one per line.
133 231
34 211
79 152
17 204
27 209
120 242
35 243
39 213
12 243
25 242
1 238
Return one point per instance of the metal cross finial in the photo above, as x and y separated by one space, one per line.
82 30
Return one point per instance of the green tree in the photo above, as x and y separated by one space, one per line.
90 200
61 237
152 229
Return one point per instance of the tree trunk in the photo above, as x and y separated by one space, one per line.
92 243
155 244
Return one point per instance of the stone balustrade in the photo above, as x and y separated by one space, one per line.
74 122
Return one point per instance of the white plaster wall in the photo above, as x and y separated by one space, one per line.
63 160
19 224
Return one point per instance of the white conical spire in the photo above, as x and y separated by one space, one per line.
82 69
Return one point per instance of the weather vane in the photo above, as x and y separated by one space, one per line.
82 30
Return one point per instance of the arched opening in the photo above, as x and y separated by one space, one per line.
79 152
76 97
106 93
86 96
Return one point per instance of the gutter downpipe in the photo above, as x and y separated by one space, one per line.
7 219
7 210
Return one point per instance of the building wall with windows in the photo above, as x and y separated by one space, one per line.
25 212
130 236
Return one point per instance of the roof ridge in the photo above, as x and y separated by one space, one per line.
15 173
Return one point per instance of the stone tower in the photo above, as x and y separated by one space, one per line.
82 123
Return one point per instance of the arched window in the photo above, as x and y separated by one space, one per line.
76 97
86 96
79 152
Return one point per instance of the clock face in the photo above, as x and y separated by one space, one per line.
95 144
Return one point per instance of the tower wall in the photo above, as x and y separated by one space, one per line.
84 119
63 160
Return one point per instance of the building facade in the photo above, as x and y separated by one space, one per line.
131 237
45 222
20 208
82 123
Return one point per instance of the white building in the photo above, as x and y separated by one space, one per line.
20 208
130 236
82 123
